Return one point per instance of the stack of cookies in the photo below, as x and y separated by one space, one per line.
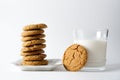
33 45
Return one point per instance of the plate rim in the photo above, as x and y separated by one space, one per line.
39 68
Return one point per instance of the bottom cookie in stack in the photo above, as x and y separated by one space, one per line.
35 63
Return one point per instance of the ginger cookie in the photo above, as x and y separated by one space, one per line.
32 32
35 63
34 27
34 57
75 57
35 37
33 42
34 47
28 53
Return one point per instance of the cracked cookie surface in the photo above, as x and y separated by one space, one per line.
33 42
32 32
34 57
34 47
28 53
34 27
75 57
34 37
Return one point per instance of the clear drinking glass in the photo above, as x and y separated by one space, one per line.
95 42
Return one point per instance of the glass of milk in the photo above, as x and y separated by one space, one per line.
95 42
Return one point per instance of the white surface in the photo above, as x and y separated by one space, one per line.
52 64
111 73
61 16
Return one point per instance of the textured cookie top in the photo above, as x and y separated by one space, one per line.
34 37
28 53
75 57
33 42
34 47
34 26
34 57
32 32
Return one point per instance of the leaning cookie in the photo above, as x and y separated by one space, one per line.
34 37
28 53
34 27
33 42
32 32
35 63
75 57
34 47
34 57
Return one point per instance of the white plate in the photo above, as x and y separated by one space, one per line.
53 63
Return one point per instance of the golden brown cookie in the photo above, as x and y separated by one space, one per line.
75 57
28 53
33 42
35 63
34 27
34 57
32 32
35 37
34 47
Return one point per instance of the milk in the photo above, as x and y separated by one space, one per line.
96 52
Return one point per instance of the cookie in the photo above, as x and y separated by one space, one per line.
34 27
75 57
28 53
35 63
33 42
34 57
34 47
32 32
35 37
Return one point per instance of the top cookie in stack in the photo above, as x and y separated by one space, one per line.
33 45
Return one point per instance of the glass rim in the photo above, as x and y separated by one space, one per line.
95 29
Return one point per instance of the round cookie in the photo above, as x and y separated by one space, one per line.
32 32
35 63
28 53
35 37
34 27
33 42
75 57
34 57
34 47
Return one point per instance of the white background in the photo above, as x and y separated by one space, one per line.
61 16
